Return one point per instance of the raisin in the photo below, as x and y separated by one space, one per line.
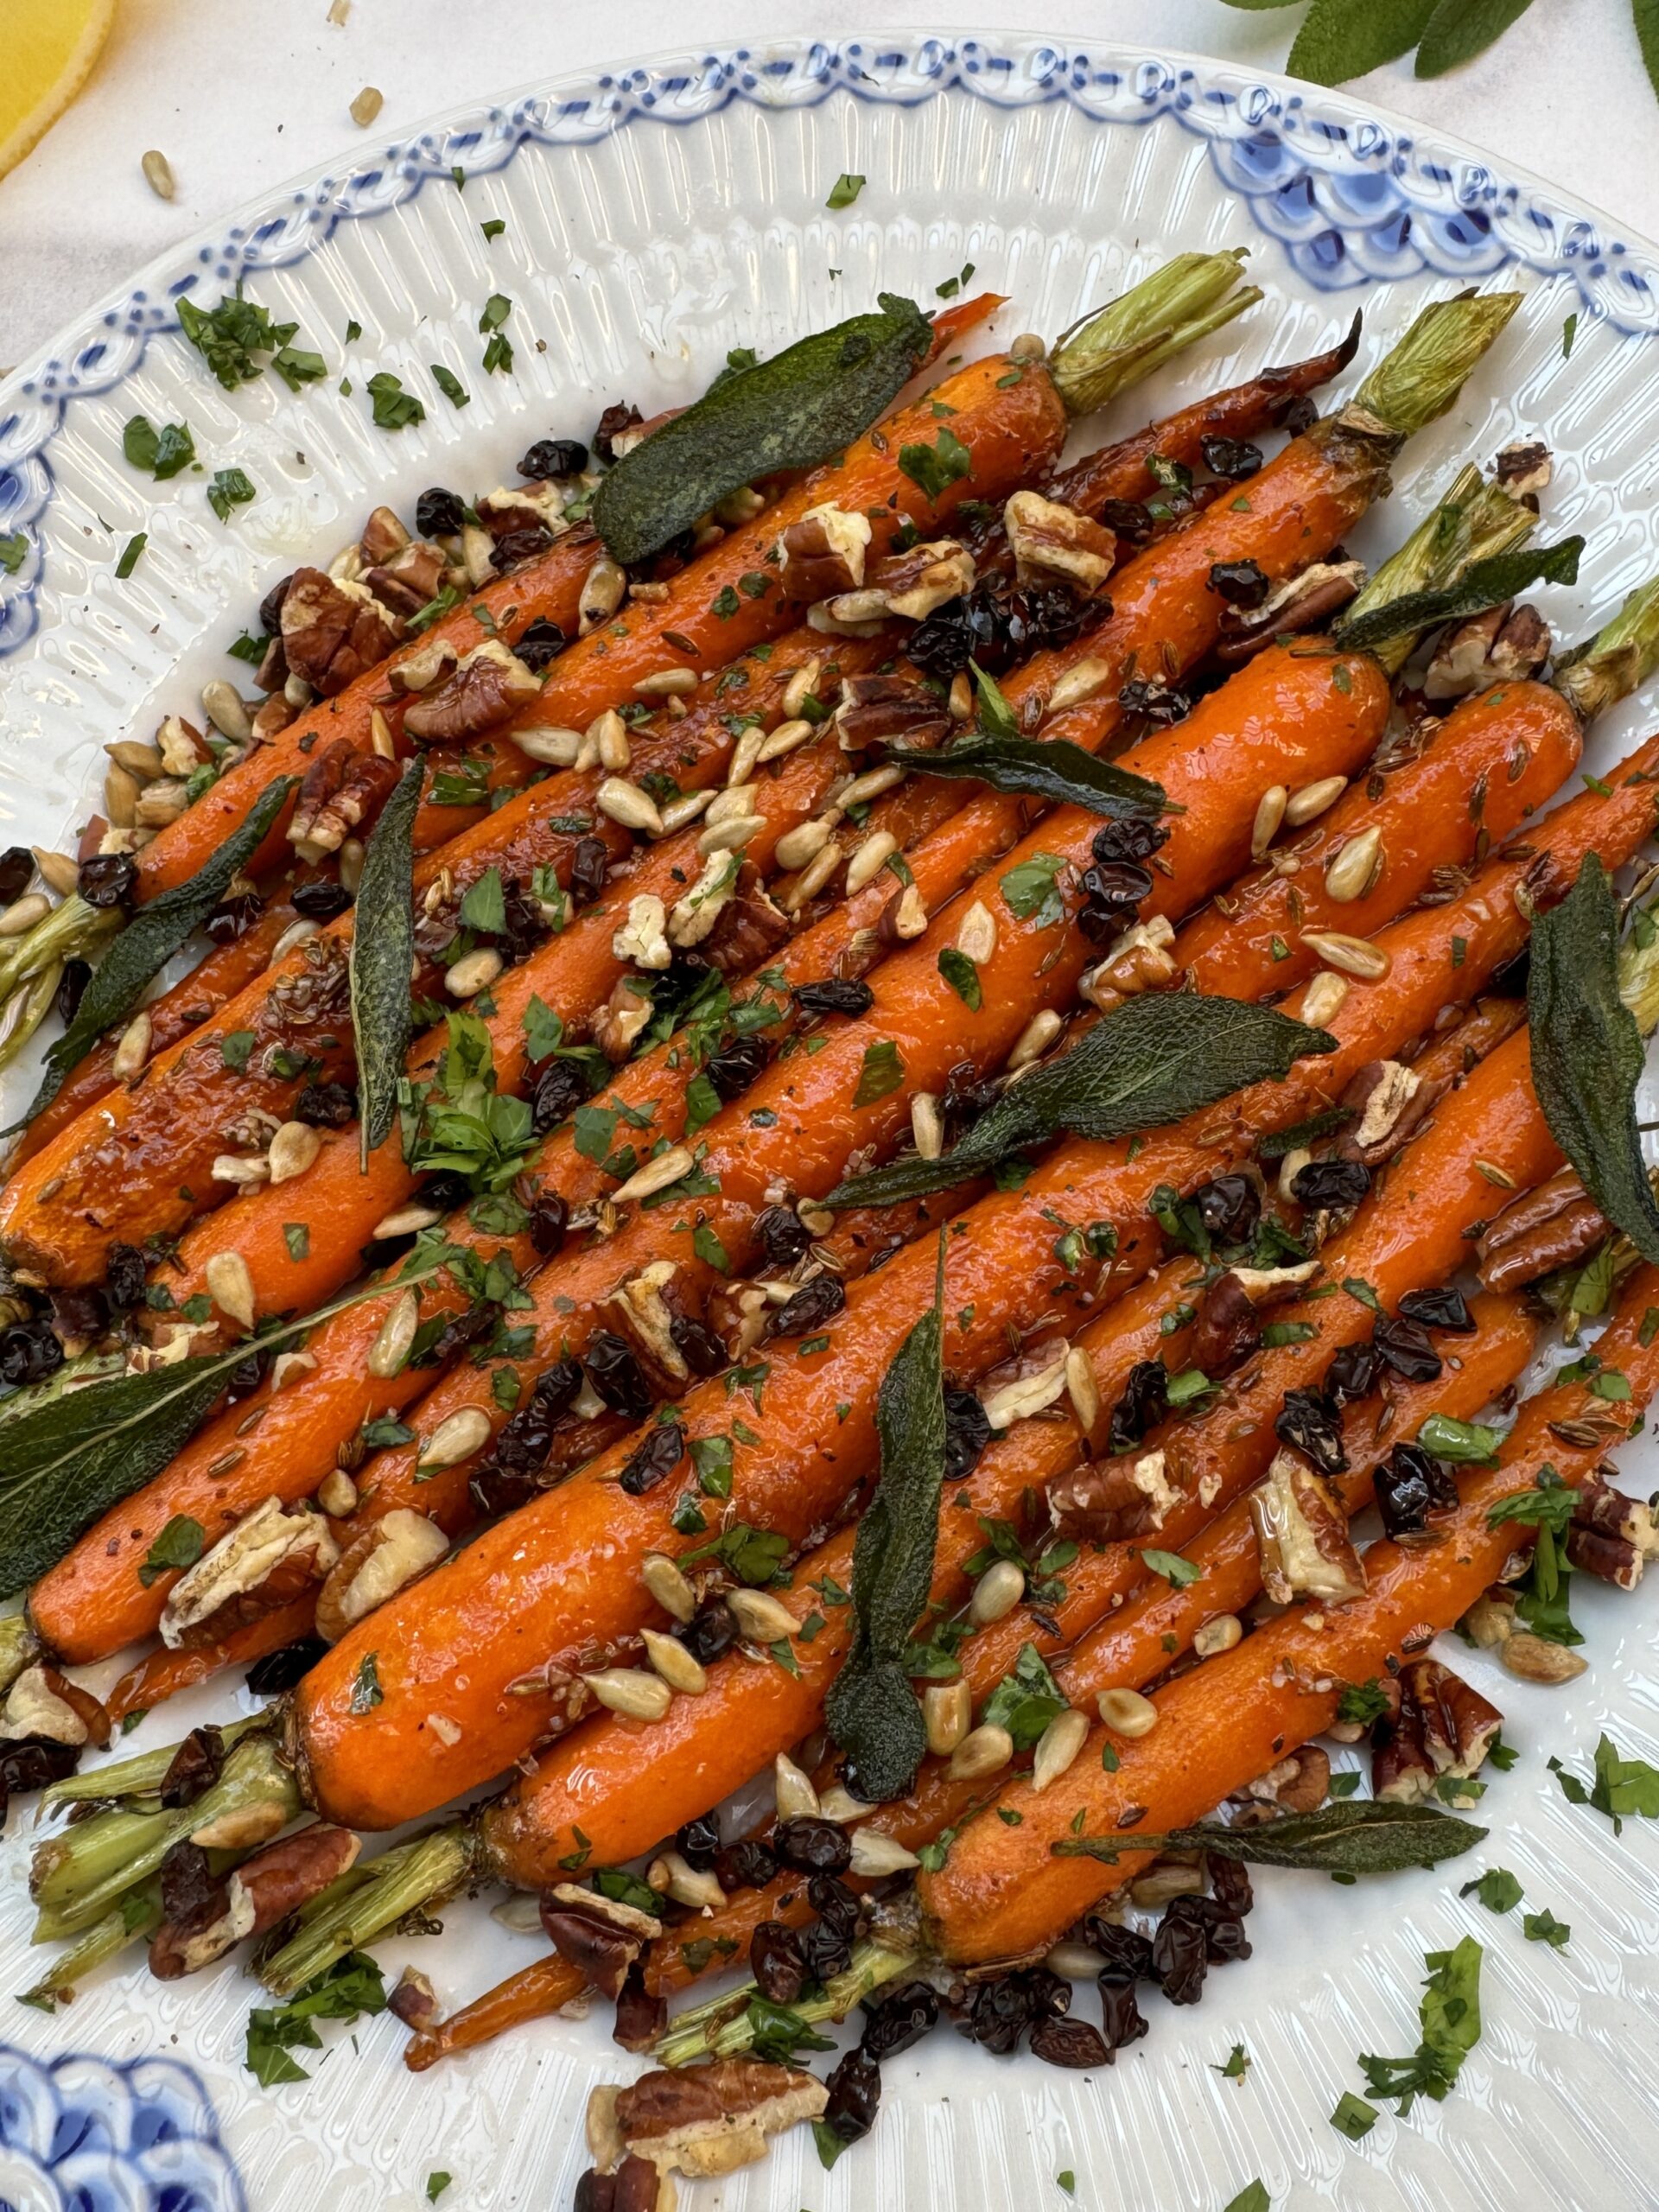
697 1344
438 513
107 879
33 1762
746 1865
1439 1309
560 1088
1299 417
813 1304
1127 1953
617 1376
698 1842
834 1903
1241 583
897 2019
1229 1206
1112 893
1000 2013
446 1190
710 1632
1180 1956
812 1845
522 928
1404 1346
835 994
194 1769
826 1951
996 625
541 645
775 1962
967 1095
618 416
125 1270
1161 704
29 1351
72 988
1308 1422
734 1067
854 2087
960 630
279 1671
1410 1485
514 547
326 1105
551 457
1129 837
1130 520
591 868
654 1460
1068 2043
967 1432
233 918
1144 1403
1233 458
1332 1183
1352 1374
321 899
1120 2016
782 1235
549 1216
1229 1879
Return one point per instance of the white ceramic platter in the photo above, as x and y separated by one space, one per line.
654 219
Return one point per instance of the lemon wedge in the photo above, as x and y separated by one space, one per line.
51 46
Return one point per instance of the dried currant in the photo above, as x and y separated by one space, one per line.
710 1631
551 457
514 547
966 1095
1180 1956
540 644
1352 1374
1233 458
897 2018
1446 1309
438 513
29 1351
1076 2043
326 1105
775 1962
560 1088
1161 705
813 1304
1000 2012
321 899
966 1431
698 1842
834 994
734 1067
234 917
812 1845
549 1218
194 1767
834 1903
125 1270
591 868
1331 1183
1308 1422
1144 1403
1404 1346
782 1235
1241 583
1410 1485
854 2087
1130 520
1299 417
72 988
16 869
279 1671
825 1949
30 1763
748 1865
697 1344
1129 837
107 879
617 1376
1126 1952
1112 892
1229 1206
1230 1879
1120 2018
654 1460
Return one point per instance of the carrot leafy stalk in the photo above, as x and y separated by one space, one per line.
1160 316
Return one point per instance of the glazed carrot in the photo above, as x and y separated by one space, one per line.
1003 1891
1125 1649
162 1674
530 1994
555 1580
195 998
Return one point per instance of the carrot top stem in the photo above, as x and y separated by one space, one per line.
1622 654
720 2029
142 1775
135 1919
1421 378
1471 521
73 931
1155 320
411 1878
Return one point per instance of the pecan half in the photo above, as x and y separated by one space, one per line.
823 553
341 793
1108 1500
888 710
1052 544
599 1936
1443 1727
1027 1384
1392 1102
1502 646
1301 603
486 689
750 926
265 1562
1542 1229
333 631
710 2119
646 1307
388 1557
1612 1535
262 1890
1301 1534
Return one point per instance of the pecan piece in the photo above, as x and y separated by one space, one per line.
909 585
44 1706
823 553
1442 1728
1524 468
264 1563
710 2119
342 792
1108 1500
395 1552
1612 1534
1052 544
750 925
485 691
1505 645
1392 1102
262 1890
1028 1384
333 630
646 1307
409 579
888 710
1301 603
600 1937
1542 1229
1302 1535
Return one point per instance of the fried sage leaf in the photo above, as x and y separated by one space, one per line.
872 1710
1356 1836
148 942
790 412
1487 583
1587 1054
382 954
1164 1055
1049 768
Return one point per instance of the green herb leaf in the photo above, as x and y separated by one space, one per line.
179 1544
1587 1054
1031 890
229 336
163 452
1483 584
1026 1700
1049 768
437 2182
351 1987
1623 1788
1253 2197
873 1713
1358 1838
392 408
1459 1443
880 1072
935 468
131 553
959 971
14 550
1497 1890
1162 1056
149 940
383 953
1450 2011
1459 29
845 189
1353 2116
797 409
451 385
1647 35
366 1692
1544 1927
230 488
1340 39
1175 1570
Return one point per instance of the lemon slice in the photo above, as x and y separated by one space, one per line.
51 46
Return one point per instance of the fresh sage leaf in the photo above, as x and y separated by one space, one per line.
873 1713
1048 768
1487 583
1165 1054
1587 1054
148 943
1647 35
1459 29
1340 39
382 954
789 413
1357 1837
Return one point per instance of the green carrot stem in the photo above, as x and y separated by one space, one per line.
143 1774
1158 318
1623 654
1473 521
700 2034
71 932
1418 380
136 1917
410 1877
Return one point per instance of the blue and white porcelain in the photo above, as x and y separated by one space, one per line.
653 218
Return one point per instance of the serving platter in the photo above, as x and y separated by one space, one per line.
654 218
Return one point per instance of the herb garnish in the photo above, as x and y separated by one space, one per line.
392 408
351 1987
935 468
845 189
230 336
230 488
1450 2013
1048 768
1483 584
1361 1837
1623 1788
163 452
179 1544
382 952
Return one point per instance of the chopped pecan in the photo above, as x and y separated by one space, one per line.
823 553
262 1890
618 1024
1027 1384
486 689
887 711
333 630
1302 603
388 1557
44 1705
1302 1535
1228 1330
410 578
1106 1501
909 585
1524 468
600 1937
1612 1535
264 1563
710 2119
750 925
414 2001
1140 961
1442 1728
1298 1784
1502 646
341 793
383 536
1392 1102
1542 1229
420 670
646 1306
1052 544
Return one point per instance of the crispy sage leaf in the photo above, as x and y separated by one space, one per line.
872 1710
148 943
790 412
1487 583
1050 768
383 953
1356 1836
1587 1055
1165 1054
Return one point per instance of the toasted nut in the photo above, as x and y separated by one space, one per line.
926 1126
667 683
1269 813
875 1854
1535 1660
293 1149
1490 1622
671 1875
656 1175
1126 1712
1162 1883
1084 679
793 1789
368 104
289 1364
947 1712
270 1551
160 803
406 1220
904 918
788 737
144 761
800 689
1354 955
667 1584
227 710
1058 1746
626 804
1219 1634
1041 1384
731 834
1322 1002
380 737
996 1593
762 1618
132 1051
695 914
22 913
1355 869
745 755
871 785
984 1751
642 940
386 1558
632 1692
1034 1040
391 1346
681 811
608 733
1311 800
235 1167
977 933
1082 1388
456 1437
158 174
230 1285
337 1494
61 872
804 844
838 1803
34 1707
602 592
670 1658
869 858
557 749
473 972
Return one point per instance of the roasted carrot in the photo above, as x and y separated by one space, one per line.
162 1674
530 1994
1003 1891
552 1581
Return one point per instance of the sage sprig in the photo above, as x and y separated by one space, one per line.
1354 1836
1587 1054
872 1710
791 412
149 940
1048 768
1164 1055
382 954
1485 584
